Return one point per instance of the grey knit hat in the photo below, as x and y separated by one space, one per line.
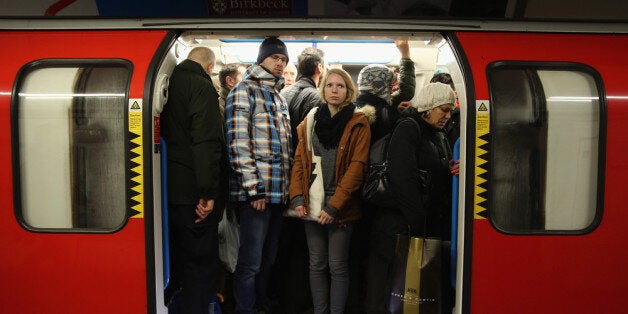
377 80
270 46
433 95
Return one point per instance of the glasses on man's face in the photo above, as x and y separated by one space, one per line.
278 58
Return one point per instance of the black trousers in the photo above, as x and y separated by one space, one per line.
378 274
194 256
290 275
382 240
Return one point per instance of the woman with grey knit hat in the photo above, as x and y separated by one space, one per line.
375 83
379 102
419 157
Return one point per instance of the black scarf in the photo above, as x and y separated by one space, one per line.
329 129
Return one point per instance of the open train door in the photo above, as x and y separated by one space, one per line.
75 223
544 227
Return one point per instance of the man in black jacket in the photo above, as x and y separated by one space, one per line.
303 95
193 129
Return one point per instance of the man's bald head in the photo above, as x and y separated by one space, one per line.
205 57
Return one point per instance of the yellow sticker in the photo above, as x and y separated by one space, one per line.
482 131
136 164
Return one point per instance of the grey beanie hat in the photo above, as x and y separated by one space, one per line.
377 80
270 46
433 95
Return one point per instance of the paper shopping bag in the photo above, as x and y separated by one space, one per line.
416 277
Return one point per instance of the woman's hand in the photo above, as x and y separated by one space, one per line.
454 167
403 105
403 47
324 218
301 211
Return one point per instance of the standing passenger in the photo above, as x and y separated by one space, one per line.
290 74
423 201
259 140
452 128
375 84
229 75
303 95
291 281
193 128
341 137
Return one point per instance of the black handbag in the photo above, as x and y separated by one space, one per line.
376 188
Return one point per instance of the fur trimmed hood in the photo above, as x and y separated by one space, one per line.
369 111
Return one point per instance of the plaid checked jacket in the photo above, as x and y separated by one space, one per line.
258 138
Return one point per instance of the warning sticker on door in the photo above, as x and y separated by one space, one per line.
136 184
482 131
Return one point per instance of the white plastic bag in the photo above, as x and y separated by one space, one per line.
228 240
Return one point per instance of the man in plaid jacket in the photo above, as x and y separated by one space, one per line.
258 140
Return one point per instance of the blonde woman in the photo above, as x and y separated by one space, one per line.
340 136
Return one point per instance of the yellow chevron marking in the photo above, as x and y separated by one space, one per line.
479 151
137 164
140 181
479 162
137 198
479 181
479 190
479 142
478 211
137 160
482 123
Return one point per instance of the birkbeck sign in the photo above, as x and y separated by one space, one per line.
250 7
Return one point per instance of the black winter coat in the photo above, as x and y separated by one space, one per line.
420 176
193 128
301 97
385 115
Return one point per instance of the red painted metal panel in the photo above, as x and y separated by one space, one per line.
557 274
69 273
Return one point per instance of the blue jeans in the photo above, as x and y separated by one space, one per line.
329 253
259 238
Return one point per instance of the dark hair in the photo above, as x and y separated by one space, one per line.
308 60
444 78
229 69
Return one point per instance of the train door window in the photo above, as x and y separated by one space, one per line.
69 126
545 161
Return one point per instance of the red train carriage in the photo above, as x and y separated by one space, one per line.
540 219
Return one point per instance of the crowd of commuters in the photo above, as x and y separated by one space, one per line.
253 148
